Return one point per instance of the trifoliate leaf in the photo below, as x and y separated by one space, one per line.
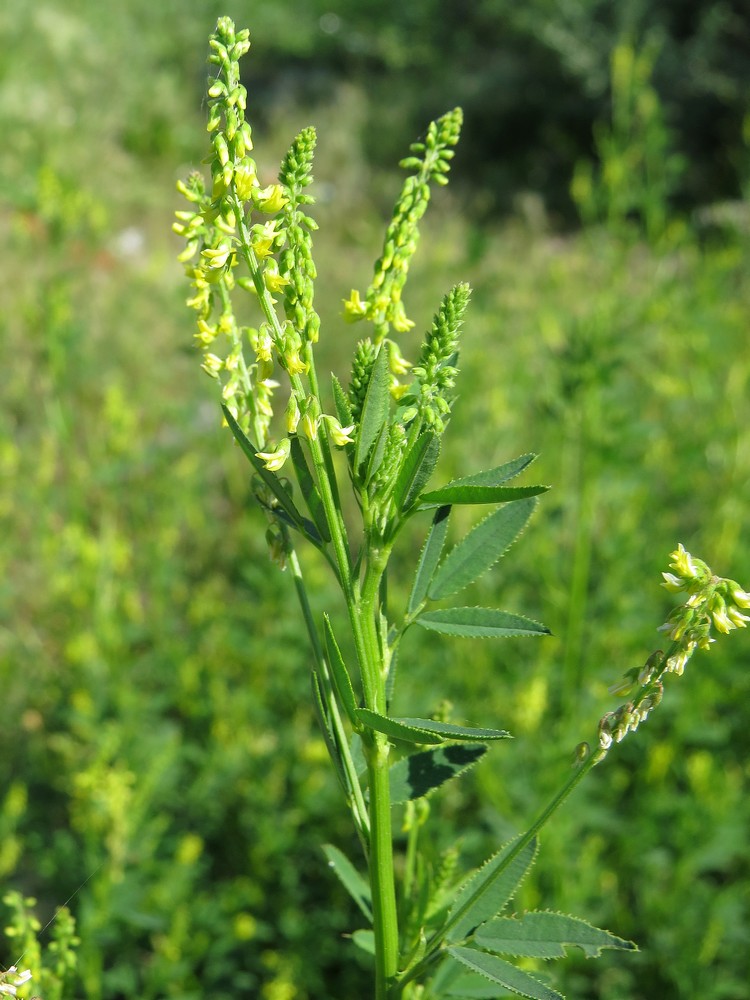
343 409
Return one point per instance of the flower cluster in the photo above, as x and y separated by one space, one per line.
296 262
211 227
222 231
11 980
713 602
382 304
435 372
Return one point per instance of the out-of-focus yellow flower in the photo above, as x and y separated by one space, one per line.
354 308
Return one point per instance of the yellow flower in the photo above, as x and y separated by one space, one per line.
274 460
354 308
206 334
341 435
683 563
292 415
217 257
263 238
400 321
245 180
293 362
269 199
212 365
399 364
274 281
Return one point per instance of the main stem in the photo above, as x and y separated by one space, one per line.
382 882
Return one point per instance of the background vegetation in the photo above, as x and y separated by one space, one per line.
156 721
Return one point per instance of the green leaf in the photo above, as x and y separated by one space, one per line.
452 979
429 558
481 548
353 882
343 409
323 714
495 477
497 970
480 623
546 935
397 729
341 679
478 494
470 986
272 482
426 730
416 469
487 891
309 489
365 940
377 454
415 776
375 407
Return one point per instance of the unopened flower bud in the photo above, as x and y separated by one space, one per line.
292 415
309 426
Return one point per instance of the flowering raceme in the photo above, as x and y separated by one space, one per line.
713 602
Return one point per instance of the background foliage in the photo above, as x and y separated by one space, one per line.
156 717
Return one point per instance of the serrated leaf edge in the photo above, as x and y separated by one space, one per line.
565 945
499 556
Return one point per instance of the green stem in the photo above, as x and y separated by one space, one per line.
357 803
382 880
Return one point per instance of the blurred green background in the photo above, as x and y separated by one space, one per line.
155 711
